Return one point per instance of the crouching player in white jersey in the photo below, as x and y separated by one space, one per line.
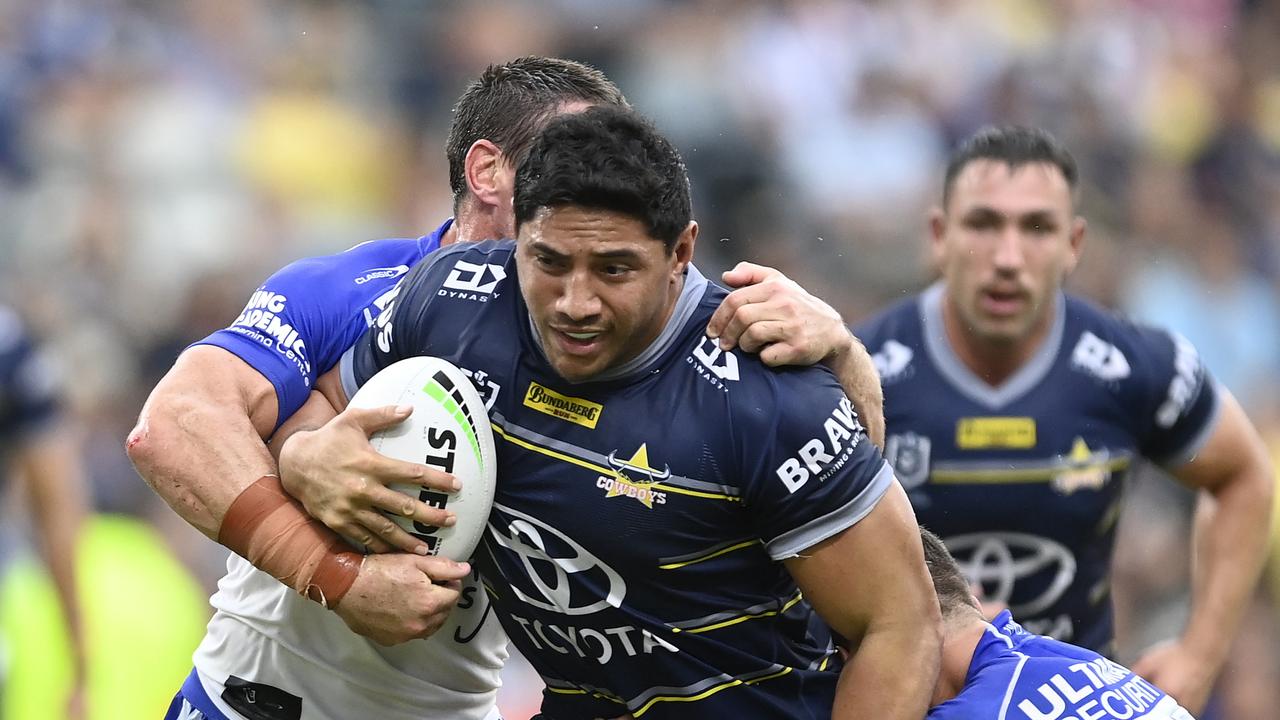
675 529
998 671
271 653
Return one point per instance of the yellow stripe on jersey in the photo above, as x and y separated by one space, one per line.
743 618
709 556
997 476
706 693
501 433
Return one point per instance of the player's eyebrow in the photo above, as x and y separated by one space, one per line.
542 247
619 254
1039 217
539 246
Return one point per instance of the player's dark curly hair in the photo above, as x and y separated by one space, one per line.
608 158
949 581
1015 146
510 104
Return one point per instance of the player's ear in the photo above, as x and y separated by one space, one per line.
489 176
937 235
1078 227
683 250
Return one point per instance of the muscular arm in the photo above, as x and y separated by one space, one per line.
198 442
1232 529
771 315
871 585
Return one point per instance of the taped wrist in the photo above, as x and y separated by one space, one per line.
270 529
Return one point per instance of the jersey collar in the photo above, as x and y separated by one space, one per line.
963 379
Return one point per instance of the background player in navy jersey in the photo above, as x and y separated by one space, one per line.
199 439
1014 412
36 448
999 670
676 552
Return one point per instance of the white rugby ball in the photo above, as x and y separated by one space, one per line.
448 430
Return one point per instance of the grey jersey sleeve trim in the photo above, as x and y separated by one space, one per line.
792 542
1197 442
347 371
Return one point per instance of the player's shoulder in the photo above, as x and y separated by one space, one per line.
1115 346
755 396
369 262
900 321
894 337
468 271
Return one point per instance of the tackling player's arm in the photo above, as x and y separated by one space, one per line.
870 584
1232 529
198 441
772 315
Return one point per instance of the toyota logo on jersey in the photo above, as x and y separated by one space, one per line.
559 574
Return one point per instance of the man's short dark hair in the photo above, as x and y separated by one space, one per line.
510 104
607 158
1015 146
949 582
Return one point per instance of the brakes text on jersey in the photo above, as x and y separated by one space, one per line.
822 456
261 321
1185 385
575 410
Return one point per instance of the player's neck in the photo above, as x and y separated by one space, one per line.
475 222
992 360
959 641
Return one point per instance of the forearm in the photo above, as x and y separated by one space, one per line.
1230 540
197 443
891 675
857 374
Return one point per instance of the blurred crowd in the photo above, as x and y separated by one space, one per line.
158 158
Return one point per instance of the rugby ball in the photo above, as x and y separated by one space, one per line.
448 430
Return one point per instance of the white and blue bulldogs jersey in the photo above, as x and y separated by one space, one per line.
632 553
1016 675
295 327
1024 481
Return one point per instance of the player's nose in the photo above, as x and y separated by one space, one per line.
1009 256
578 299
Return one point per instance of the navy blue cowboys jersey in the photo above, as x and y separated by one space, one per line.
29 385
1024 481
632 551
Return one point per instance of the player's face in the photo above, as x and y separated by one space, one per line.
1004 244
598 288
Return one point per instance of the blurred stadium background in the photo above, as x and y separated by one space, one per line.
158 158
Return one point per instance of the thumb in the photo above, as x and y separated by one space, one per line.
440 568
371 420
746 273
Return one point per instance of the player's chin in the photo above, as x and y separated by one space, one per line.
578 368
